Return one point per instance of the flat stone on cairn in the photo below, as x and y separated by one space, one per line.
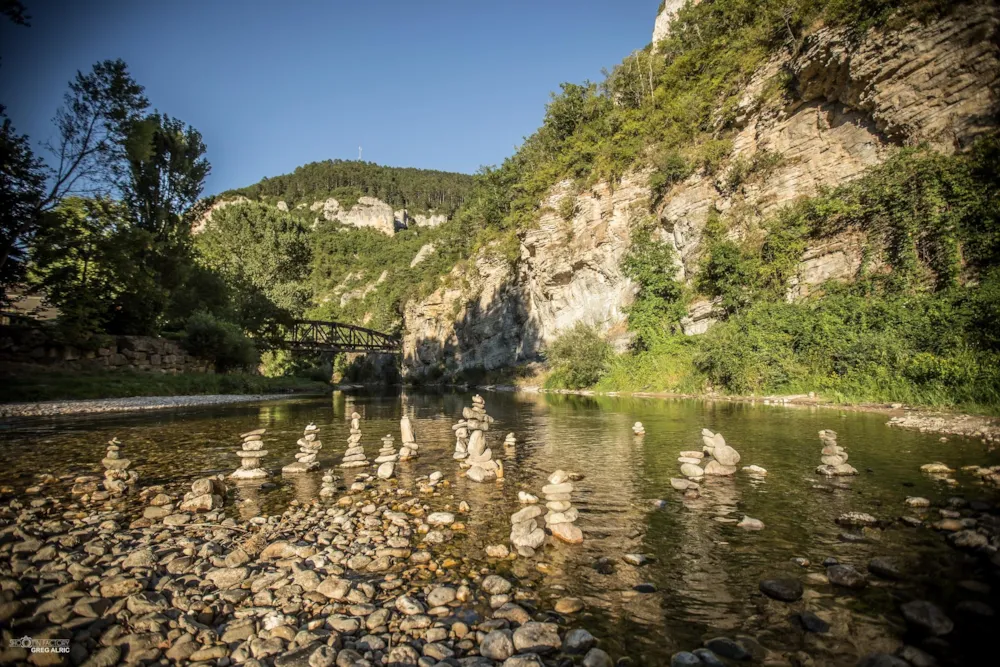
309 446
482 467
561 514
510 442
833 462
251 454
118 479
329 486
354 457
638 428
409 448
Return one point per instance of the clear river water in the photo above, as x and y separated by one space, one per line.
704 568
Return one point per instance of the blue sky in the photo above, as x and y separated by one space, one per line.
437 84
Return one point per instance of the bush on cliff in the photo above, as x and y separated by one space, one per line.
578 358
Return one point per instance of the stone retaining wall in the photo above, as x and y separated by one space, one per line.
34 345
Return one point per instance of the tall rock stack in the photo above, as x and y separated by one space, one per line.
482 466
251 454
118 479
510 442
525 533
354 457
461 430
387 458
833 462
561 515
309 446
409 448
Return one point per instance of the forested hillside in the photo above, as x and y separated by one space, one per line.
418 190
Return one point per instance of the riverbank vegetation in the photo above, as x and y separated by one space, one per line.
27 383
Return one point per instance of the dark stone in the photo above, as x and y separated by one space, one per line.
884 568
708 659
727 648
604 565
846 576
685 659
810 622
827 562
784 589
644 588
927 616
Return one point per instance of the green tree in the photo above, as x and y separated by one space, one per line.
88 152
578 358
22 180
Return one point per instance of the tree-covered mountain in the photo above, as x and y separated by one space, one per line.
417 190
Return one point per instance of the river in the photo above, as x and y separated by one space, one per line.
704 568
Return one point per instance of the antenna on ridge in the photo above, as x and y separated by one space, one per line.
359 153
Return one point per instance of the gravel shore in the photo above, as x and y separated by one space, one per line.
52 408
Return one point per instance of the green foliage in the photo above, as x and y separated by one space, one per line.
22 179
418 190
578 358
659 305
756 168
222 342
31 383
567 207
264 255
670 168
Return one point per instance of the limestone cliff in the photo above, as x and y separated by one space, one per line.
848 103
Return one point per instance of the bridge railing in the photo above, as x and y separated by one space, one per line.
316 335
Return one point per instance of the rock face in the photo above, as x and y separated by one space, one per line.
668 12
367 212
852 102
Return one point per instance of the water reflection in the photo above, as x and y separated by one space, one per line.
705 569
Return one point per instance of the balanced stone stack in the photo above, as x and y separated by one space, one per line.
525 533
354 457
638 428
409 448
561 516
206 494
723 457
387 458
118 479
251 454
833 462
329 486
482 466
510 442
309 446
461 430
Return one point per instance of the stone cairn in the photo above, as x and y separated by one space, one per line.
561 515
834 458
329 486
718 458
461 430
409 448
510 442
251 454
482 467
118 479
638 428
206 494
525 533
387 458
354 457
309 446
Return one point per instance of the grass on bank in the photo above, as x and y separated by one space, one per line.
25 383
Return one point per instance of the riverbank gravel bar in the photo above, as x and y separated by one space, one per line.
53 408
